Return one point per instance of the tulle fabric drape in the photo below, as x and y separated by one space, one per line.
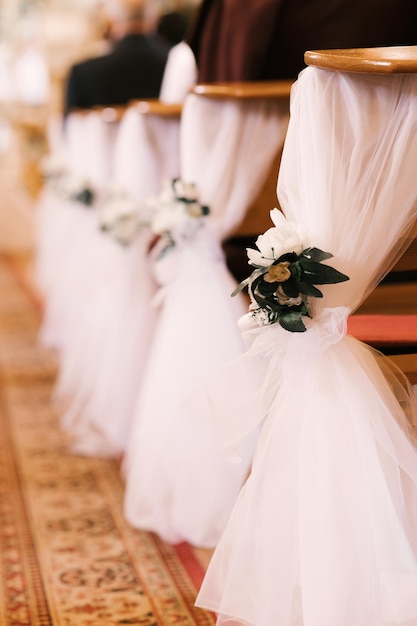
48 217
112 349
324 530
62 225
227 148
180 74
146 151
178 483
77 279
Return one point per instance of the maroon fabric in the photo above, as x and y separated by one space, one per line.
266 39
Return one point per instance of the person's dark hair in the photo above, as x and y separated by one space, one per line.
172 27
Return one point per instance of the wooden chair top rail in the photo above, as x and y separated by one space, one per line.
157 107
146 107
393 60
279 89
223 91
108 113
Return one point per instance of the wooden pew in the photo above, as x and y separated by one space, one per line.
156 107
407 363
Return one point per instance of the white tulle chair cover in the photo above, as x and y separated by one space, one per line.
146 150
58 221
178 483
46 209
324 531
180 74
227 148
86 252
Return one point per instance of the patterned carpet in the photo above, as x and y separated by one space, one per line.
67 556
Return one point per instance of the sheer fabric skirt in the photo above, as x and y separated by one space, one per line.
324 532
178 482
110 334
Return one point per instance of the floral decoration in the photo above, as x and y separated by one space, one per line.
70 185
77 189
120 214
285 276
176 214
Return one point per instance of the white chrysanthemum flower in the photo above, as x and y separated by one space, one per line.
261 317
126 228
167 194
167 218
72 184
284 237
183 189
176 212
119 205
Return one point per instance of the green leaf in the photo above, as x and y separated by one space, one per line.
315 254
307 289
259 298
270 302
267 289
166 249
250 279
290 289
335 275
86 197
239 288
292 321
319 274
288 256
296 271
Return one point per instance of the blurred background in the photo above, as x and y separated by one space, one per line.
39 41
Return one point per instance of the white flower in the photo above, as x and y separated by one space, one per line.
170 215
194 209
166 195
182 189
72 184
167 218
126 228
261 317
284 237
119 206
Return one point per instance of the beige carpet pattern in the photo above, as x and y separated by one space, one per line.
67 556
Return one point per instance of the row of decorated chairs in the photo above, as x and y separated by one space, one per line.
324 530
137 324
137 292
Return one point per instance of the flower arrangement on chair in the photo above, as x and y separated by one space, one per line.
120 214
68 184
171 216
286 275
176 214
